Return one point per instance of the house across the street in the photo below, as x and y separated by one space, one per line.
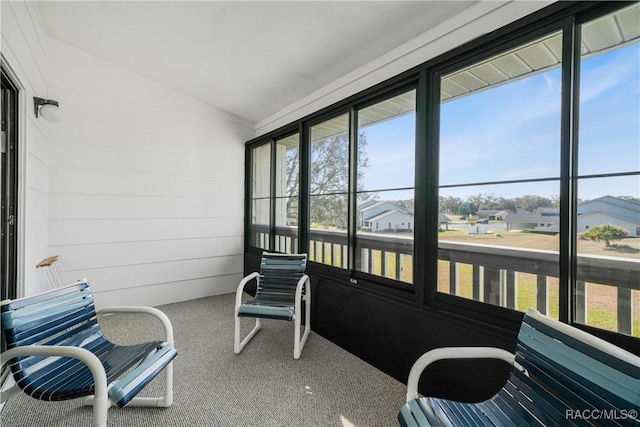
610 210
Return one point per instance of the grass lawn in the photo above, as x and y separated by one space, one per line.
601 299
625 248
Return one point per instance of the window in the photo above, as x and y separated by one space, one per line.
385 187
287 198
328 191
260 159
274 217
525 167
500 159
608 174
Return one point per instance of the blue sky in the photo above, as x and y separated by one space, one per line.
513 132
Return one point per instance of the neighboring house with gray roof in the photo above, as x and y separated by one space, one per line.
610 210
384 216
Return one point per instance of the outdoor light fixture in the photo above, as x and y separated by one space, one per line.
49 109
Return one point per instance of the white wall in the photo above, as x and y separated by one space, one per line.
481 18
146 185
23 53
139 188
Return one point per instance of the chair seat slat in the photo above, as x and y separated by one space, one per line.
615 363
588 372
533 400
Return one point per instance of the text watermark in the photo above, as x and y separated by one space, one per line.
600 414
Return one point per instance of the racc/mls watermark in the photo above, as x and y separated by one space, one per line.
601 414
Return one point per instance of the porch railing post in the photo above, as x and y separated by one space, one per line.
542 294
581 302
625 308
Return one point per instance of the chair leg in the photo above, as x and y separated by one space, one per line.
239 345
100 410
168 387
298 343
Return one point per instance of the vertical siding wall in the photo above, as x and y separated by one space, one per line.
145 185
22 47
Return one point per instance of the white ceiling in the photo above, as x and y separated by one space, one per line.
248 58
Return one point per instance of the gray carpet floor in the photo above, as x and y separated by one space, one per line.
262 386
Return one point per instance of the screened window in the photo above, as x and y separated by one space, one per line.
260 158
607 291
499 178
385 187
328 191
287 167
525 166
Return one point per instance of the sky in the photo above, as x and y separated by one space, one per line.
512 132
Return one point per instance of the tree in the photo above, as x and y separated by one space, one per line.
605 233
450 204
468 209
328 179
530 203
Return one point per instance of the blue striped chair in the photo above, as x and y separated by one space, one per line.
281 287
561 376
56 351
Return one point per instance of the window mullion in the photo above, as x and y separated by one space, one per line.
568 153
272 197
353 183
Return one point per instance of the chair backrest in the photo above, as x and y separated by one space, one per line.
583 369
279 275
62 316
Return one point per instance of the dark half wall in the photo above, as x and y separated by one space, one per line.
391 334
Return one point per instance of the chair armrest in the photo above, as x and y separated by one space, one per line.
242 284
166 323
84 355
451 353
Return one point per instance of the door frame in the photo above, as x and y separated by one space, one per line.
21 113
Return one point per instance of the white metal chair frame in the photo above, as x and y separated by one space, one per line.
298 341
100 400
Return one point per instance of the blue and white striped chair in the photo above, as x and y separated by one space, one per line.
281 287
561 376
56 351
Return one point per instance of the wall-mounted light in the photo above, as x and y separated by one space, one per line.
47 108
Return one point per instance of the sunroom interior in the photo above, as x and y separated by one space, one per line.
444 165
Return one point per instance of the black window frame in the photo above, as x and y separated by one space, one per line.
447 302
564 16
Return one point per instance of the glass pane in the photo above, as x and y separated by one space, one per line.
261 171
499 246
386 163
287 188
328 187
328 234
259 229
330 157
260 193
488 132
499 176
385 235
607 290
608 244
609 85
288 166
386 143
